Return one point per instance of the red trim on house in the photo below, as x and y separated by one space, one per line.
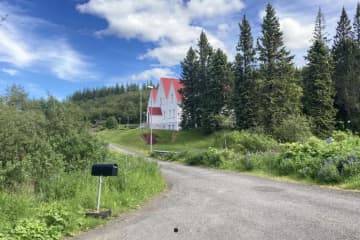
155 111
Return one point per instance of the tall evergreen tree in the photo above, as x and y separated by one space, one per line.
357 24
281 93
205 52
217 90
346 73
190 94
244 94
318 85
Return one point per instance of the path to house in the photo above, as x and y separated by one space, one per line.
212 204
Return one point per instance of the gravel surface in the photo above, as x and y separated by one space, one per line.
203 204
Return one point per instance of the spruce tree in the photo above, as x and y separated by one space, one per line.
281 94
204 52
190 94
346 73
357 24
244 94
318 84
217 90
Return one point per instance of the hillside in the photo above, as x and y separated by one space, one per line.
119 102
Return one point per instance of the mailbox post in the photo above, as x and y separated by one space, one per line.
102 170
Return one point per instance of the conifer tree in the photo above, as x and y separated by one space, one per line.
190 94
281 94
244 94
318 84
346 73
217 90
357 24
204 52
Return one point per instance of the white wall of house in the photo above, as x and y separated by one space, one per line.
170 108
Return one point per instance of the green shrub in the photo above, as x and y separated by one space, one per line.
294 128
111 123
329 174
244 142
243 162
194 159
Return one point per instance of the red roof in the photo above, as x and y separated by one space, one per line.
154 93
166 82
155 111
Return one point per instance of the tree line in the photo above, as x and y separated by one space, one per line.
263 90
109 106
87 93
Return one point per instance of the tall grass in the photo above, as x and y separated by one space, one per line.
59 207
165 140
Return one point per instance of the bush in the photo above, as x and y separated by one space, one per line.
243 162
294 128
329 174
246 142
111 123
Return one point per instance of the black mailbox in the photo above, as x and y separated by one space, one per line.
104 169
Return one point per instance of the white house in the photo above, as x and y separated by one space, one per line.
164 111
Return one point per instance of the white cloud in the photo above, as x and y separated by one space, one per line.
211 8
297 35
22 46
10 71
152 74
172 25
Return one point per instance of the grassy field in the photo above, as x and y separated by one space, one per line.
59 208
166 140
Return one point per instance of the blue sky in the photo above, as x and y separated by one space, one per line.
59 46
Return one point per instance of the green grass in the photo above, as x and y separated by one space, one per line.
264 163
166 140
59 208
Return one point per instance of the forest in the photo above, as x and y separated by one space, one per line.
110 106
263 91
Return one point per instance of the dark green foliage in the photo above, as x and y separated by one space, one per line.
293 128
111 123
217 91
41 141
124 107
280 92
190 92
318 85
87 94
346 56
207 79
357 24
245 85
319 31
204 52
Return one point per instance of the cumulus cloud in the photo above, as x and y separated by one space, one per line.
152 74
9 71
297 35
173 25
23 47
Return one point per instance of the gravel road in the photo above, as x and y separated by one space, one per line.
203 204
